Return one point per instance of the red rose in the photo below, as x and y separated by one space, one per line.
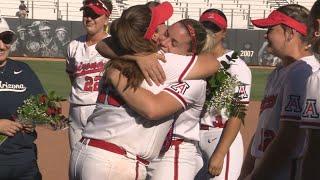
59 110
43 99
50 111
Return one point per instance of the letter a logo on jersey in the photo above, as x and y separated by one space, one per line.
293 104
310 110
180 87
242 91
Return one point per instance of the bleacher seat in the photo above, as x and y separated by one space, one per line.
238 12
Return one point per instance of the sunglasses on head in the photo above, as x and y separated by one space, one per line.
96 3
7 38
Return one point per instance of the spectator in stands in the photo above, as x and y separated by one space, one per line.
48 46
310 118
23 11
278 144
18 153
85 65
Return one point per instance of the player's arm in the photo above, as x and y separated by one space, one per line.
206 65
248 163
232 126
311 158
289 139
229 133
151 106
311 122
105 50
70 61
280 151
148 63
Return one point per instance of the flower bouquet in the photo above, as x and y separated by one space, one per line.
41 110
221 96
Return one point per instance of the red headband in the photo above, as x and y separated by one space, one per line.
159 15
276 18
215 18
97 6
192 33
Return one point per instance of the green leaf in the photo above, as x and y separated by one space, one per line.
3 138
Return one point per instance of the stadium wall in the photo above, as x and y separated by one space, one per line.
49 38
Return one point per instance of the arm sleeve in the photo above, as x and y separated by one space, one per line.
177 67
243 75
311 106
294 92
188 92
70 59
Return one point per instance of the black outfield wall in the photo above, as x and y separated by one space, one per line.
41 38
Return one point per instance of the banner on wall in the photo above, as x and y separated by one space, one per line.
42 38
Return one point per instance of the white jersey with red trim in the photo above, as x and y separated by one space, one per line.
284 95
186 125
86 65
242 72
115 122
311 107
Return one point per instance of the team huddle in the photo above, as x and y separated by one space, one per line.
138 101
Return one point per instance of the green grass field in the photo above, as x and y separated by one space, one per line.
53 77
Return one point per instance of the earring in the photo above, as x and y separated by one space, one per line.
317 34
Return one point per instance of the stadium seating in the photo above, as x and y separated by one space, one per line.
239 12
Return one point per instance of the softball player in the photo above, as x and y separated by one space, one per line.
277 136
85 66
213 131
311 109
180 157
310 121
183 159
220 139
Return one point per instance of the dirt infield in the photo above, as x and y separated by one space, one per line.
53 146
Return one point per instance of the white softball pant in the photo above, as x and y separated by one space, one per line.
181 162
78 116
91 163
232 162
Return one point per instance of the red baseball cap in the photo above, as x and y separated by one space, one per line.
159 15
97 6
214 18
276 18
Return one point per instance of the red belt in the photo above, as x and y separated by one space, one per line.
204 127
207 127
176 141
112 148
